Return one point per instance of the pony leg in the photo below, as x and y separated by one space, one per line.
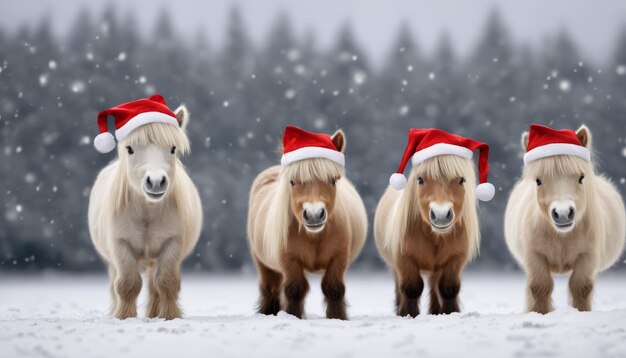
167 279
334 289
450 285
433 282
127 284
112 278
154 301
269 287
540 284
581 283
410 288
296 288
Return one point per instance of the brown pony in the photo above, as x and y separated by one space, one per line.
304 217
429 227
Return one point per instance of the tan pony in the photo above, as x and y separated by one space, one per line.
562 217
304 217
429 227
145 216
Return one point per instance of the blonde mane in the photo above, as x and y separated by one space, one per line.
561 165
279 216
182 188
405 210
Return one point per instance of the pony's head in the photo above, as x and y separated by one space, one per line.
149 156
307 191
312 185
563 185
440 193
441 185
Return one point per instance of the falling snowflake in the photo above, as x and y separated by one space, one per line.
403 111
622 181
319 123
52 64
225 104
621 70
43 79
290 93
142 79
293 55
121 57
78 86
409 68
85 140
565 85
18 208
512 99
624 152
89 56
431 76
359 77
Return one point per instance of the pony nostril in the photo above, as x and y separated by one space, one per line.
449 216
432 215
555 215
305 215
148 181
571 213
163 182
322 214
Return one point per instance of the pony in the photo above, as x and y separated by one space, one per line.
429 227
304 217
145 216
561 218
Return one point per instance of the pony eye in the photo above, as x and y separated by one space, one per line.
580 180
292 183
538 181
420 180
173 150
130 149
462 181
334 181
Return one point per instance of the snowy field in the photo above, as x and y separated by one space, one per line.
66 316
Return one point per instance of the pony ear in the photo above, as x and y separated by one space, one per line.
524 140
339 140
584 136
182 116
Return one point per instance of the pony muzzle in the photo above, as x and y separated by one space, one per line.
441 217
155 185
562 215
314 216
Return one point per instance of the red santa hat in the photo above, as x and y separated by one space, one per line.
428 143
299 144
546 142
129 116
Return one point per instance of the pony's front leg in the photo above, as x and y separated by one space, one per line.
334 289
112 278
433 284
581 282
127 282
296 287
450 285
167 280
540 284
269 287
411 286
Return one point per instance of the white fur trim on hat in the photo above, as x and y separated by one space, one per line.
485 191
313 152
397 181
553 149
441 149
141 119
104 142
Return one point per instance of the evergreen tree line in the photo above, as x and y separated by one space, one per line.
241 96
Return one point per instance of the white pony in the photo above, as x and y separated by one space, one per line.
562 217
145 215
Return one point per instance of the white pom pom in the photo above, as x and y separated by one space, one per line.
397 181
485 191
104 142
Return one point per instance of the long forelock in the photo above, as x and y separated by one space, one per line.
161 134
315 169
445 167
555 166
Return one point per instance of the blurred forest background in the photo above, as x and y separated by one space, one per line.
242 94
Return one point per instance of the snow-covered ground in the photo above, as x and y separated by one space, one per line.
66 316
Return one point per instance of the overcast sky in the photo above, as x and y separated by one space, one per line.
593 23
